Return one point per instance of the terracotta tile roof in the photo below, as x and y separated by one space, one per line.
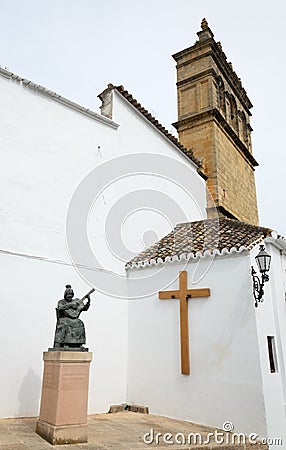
201 236
148 116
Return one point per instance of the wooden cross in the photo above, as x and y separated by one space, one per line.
183 294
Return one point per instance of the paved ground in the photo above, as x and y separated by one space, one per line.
120 431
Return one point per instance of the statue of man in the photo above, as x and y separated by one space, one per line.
70 332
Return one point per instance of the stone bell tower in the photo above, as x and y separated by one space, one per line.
213 120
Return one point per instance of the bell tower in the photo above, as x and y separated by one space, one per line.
214 121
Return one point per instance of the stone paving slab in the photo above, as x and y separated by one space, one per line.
120 431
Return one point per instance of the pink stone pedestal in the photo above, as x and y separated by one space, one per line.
63 412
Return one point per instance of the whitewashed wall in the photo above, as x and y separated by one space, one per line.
136 135
271 321
225 382
30 289
46 151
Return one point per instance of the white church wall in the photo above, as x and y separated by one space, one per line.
225 381
173 193
47 149
137 135
30 289
271 319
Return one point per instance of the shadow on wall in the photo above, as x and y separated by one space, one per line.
29 395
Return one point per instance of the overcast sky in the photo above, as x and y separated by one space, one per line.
77 47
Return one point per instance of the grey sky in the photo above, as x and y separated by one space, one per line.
76 47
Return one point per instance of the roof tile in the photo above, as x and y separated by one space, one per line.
201 236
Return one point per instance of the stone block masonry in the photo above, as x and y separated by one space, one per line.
213 121
63 412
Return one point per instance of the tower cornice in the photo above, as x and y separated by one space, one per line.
209 47
215 113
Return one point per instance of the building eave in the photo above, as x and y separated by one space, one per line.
200 239
28 84
189 257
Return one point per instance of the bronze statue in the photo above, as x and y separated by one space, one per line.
70 332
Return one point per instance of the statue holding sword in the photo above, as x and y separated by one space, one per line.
70 331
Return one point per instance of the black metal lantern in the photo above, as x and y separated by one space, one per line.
263 260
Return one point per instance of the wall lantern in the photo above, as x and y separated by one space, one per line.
263 262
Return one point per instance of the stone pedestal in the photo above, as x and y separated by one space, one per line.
63 412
